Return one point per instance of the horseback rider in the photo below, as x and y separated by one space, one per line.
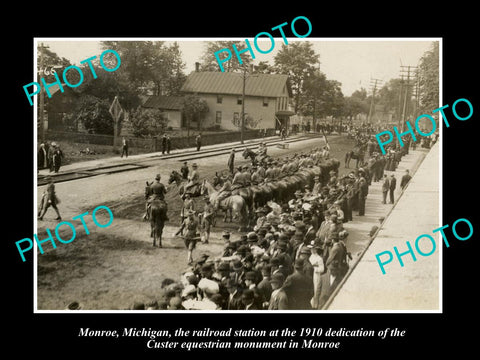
193 178
224 192
238 179
156 191
257 177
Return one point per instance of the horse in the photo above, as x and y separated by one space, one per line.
157 215
357 154
254 157
177 178
234 204
255 195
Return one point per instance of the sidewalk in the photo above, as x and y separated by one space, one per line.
415 286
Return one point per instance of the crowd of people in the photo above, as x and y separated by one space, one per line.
296 253
49 156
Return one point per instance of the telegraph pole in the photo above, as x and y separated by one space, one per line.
243 104
42 95
407 95
373 82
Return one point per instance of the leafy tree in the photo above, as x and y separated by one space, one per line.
195 109
93 113
428 79
264 67
147 122
297 60
208 61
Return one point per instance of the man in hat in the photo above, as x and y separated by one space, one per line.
49 198
405 179
269 172
188 204
57 157
224 192
207 219
191 235
362 193
156 191
193 179
124 147
317 185
338 256
385 188
238 179
164 143
238 273
198 141
246 176
261 217
231 161
264 287
255 177
393 186
248 300
234 301
184 171
278 298
299 288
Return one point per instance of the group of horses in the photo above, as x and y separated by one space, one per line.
241 202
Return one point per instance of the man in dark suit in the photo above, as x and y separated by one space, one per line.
124 147
248 300
299 288
405 179
234 301
393 185
385 188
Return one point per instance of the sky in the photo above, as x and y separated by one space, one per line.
352 62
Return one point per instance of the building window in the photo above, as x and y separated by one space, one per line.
239 100
265 101
218 117
219 99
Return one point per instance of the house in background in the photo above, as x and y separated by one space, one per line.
171 107
267 98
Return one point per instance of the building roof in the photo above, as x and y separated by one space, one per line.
164 102
229 83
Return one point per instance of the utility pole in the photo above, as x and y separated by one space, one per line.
42 95
245 76
373 82
243 104
407 95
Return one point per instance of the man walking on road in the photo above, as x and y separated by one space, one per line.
231 161
49 198
393 185
198 141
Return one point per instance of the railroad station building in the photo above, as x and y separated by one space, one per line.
267 99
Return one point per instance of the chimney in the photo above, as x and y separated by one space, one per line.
197 66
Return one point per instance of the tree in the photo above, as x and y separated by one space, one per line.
195 109
428 69
208 61
297 60
264 67
93 113
147 122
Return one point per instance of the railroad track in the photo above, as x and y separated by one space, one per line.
148 160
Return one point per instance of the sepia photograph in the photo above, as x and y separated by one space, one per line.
284 175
